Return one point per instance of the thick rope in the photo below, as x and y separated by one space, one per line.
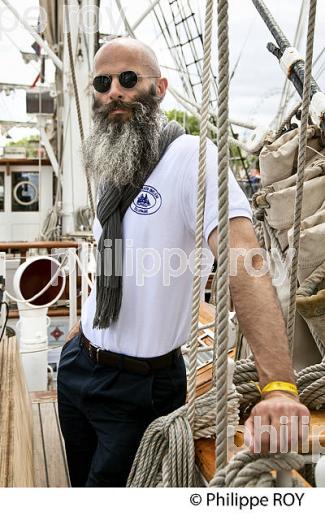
245 377
258 228
166 454
300 173
221 336
310 382
251 470
200 211
274 240
76 95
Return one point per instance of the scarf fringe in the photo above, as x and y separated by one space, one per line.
108 301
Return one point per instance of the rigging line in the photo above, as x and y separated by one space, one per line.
196 286
212 113
287 83
297 70
174 55
198 19
320 72
131 32
198 61
145 14
171 45
213 83
251 149
180 70
178 48
300 174
65 137
242 50
127 26
319 56
191 37
223 250
76 93
86 47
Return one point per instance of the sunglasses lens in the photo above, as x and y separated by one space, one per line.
102 83
128 79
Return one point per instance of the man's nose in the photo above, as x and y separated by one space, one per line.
116 90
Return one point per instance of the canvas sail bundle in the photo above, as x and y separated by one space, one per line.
279 160
278 163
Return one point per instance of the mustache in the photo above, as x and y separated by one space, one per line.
106 109
139 104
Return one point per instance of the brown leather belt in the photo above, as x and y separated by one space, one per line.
131 364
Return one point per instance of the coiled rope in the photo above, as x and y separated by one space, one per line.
166 454
249 470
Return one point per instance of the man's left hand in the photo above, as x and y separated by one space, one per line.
277 424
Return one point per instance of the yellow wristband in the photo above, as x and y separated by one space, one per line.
280 385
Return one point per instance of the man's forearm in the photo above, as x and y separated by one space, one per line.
257 307
261 321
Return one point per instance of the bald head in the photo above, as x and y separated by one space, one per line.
127 50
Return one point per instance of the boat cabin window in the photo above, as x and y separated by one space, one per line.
25 190
2 191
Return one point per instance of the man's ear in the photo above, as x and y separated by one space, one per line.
161 87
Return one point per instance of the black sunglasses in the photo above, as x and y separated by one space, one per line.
127 79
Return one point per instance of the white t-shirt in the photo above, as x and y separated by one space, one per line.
158 254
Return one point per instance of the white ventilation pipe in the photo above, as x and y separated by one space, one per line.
30 279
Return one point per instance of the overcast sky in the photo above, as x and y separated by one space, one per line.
255 88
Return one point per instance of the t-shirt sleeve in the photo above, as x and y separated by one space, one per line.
238 203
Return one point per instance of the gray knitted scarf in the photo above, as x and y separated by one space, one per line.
111 209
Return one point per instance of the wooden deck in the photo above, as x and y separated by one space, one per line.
50 466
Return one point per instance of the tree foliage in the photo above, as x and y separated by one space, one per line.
189 122
31 143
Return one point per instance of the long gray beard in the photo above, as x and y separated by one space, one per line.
121 152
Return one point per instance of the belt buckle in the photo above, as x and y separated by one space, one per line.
97 354
97 349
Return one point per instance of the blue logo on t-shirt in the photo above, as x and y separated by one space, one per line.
147 202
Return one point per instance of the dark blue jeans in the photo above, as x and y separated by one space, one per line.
104 412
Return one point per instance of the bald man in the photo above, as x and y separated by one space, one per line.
123 366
